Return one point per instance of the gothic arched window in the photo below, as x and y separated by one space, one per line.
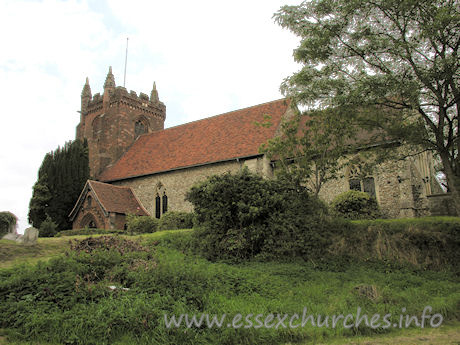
161 200
157 207
165 203
357 182
354 180
139 128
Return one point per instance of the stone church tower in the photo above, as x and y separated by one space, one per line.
112 122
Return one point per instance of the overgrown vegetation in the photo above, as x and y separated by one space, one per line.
68 300
173 220
7 222
141 224
244 215
105 243
428 243
355 205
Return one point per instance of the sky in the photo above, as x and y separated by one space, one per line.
206 57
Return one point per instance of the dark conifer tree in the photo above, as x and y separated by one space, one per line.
61 177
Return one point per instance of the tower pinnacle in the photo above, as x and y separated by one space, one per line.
154 94
109 80
86 92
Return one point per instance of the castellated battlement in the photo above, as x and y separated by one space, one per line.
121 97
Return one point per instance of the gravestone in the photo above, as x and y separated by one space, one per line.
30 236
11 236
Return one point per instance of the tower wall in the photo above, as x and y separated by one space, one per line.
113 121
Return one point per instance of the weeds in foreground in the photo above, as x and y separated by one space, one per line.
68 300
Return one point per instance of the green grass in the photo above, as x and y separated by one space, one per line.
181 283
12 253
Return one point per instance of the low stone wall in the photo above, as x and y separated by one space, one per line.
441 205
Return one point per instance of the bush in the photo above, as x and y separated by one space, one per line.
243 215
141 224
356 205
174 220
48 228
7 222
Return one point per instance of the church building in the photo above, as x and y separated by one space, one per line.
141 168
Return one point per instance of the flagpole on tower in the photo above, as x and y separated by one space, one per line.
126 62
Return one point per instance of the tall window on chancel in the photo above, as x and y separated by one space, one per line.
369 185
157 207
165 203
161 200
355 184
139 128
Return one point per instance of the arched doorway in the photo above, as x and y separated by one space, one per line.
89 221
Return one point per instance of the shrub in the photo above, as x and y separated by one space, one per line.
48 228
243 215
7 222
141 224
356 205
174 220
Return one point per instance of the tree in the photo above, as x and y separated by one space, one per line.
48 228
8 222
398 55
61 177
310 149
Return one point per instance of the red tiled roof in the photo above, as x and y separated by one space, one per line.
117 199
219 138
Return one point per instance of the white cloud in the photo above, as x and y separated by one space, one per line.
207 57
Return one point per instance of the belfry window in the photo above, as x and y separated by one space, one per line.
139 128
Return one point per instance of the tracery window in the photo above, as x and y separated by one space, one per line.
161 200
357 182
